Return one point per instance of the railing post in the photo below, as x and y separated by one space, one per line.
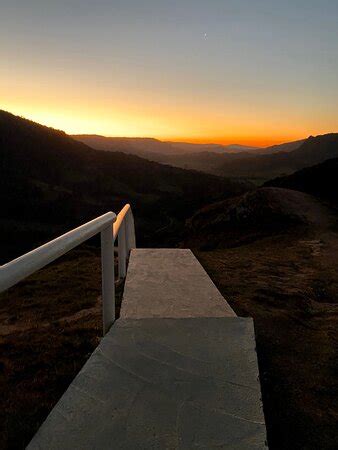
122 250
130 231
108 287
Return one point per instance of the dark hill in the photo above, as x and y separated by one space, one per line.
320 180
253 215
50 182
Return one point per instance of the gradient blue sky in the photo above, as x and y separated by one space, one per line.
266 71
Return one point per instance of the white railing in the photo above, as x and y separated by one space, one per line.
111 227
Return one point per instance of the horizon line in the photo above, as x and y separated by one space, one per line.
246 142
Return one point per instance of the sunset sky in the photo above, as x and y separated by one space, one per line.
246 71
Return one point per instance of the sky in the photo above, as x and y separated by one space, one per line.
254 72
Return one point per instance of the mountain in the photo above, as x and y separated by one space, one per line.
51 182
320 180
138 146
233 161
317 149
314 150
238 159
286 147
259 165
154 147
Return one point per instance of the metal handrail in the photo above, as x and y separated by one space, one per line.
18 269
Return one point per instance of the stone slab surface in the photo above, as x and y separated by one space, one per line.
170 283
163 384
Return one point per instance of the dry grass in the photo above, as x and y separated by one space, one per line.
50 324
289 285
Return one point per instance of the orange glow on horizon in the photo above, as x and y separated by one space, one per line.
239 140
129 122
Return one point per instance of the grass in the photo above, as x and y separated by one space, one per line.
289 285
50 324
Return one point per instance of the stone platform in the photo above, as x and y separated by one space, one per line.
170 283
178 370
163 384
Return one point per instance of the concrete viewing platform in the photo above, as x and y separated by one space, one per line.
170 283
178 370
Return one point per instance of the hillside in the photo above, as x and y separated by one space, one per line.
50 182
272 253
320 180
251 216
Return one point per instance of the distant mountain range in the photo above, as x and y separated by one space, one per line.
287 147
149 146
312 151
234 161
135 146
260 165
154 147
51 182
